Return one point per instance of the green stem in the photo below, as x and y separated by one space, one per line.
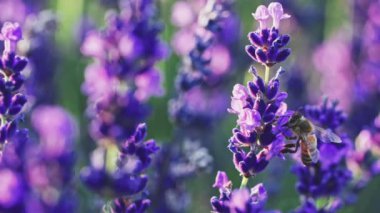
267 71
244 182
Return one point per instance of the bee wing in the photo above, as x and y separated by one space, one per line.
314 157
326 135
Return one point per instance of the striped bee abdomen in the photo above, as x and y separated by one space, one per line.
309 151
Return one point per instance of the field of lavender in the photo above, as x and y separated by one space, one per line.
169 106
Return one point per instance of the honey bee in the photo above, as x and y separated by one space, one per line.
306 135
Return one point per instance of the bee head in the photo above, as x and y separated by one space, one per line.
295 119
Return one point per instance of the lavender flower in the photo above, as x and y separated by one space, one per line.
363 161
267 45
11 80
239 200
125 178
50 165
196 66
176 165
256 105
330 176
125 54
39 33
258 136
121 67
199 102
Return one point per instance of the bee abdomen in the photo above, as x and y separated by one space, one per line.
309 150
305 155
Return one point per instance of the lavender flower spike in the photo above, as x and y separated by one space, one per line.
267 44
11 80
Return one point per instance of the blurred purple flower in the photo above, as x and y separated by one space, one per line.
56 129
148 84
13 10
39 43
11 188
330 177
340 69
118 84
183 14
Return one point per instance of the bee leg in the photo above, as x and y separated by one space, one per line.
292 138
290 148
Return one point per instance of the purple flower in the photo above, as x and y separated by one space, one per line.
275 10
311 206
330 176
148 84
125 178
221 180
197 68
118 84
56 128
183 15
123 205
11 188
11 34
14 10
267 44
262 16
319 182
40 43
363 161
238 200
257 105
12 100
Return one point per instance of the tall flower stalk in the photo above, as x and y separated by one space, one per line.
118 83
34 176
11 81
258 136
204 104
186 155
12 139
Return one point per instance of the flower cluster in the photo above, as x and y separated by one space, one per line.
196 66
330 176
205 101
123 75
38 176
11 81
39 33
199 84
369 62
364 161
50 164
267 44
175 165
118 84
257 106
125 177
238 200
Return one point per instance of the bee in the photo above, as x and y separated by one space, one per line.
306 134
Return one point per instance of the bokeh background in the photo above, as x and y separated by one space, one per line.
331 46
